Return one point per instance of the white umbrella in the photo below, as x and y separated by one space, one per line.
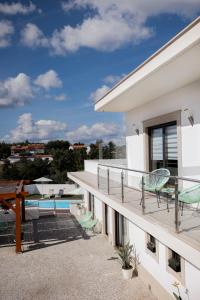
43 180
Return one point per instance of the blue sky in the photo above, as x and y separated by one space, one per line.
57 57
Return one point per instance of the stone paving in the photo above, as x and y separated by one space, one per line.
60 262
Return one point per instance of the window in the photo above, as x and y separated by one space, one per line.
174 261
152 246
163 147
151 243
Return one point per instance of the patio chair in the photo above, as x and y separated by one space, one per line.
155 181
89 225
189 196
86 217
60 193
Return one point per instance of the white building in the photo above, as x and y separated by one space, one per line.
161 103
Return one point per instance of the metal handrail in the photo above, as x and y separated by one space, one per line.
175 178
149 173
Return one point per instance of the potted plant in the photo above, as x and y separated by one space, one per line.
129 260
151 246
176 285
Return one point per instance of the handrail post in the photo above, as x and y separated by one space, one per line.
122 186
177 221
143 196
98 169
108 182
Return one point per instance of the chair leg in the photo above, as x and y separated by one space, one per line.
168 203
182 209
157 196
141 201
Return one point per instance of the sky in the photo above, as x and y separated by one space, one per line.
58 57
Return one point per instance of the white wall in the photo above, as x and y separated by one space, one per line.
187 97
98 209
45 188
91 165
156 267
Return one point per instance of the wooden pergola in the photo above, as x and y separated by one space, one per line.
14 200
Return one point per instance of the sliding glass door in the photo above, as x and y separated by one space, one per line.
121 230
163 147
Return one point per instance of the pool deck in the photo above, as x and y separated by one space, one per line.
65 263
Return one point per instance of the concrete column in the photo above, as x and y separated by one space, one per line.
112 237
86 199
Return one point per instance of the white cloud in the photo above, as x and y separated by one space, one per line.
41 130
112 24
67 6
87 134
113 79
6 30
33 37
17 8
15 90
138 8
61 97
110 80
99 93
48 80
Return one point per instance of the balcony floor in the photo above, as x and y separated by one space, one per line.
190 221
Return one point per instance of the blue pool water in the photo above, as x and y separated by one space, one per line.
50 203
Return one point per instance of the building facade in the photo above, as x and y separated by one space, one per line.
161 104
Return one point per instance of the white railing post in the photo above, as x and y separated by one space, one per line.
108 181
122 185
177 219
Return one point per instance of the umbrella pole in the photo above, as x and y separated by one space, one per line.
42 190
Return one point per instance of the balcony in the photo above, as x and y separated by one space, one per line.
164 217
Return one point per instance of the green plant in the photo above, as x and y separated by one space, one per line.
176 285
128 257
125 256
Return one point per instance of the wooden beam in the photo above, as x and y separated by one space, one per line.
11 195
18 225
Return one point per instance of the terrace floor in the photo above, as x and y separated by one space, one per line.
64 263
190 220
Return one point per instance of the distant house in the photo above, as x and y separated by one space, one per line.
28 149
16 158
77 146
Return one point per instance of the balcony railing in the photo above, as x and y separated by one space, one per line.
128 186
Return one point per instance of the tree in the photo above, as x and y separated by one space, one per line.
5 150
111 150
57 145
94 151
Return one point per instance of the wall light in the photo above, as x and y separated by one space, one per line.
136 129
189 116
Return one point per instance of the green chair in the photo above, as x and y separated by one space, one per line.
89 225
189 196
86 217
155 181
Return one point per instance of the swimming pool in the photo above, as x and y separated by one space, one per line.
51 204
